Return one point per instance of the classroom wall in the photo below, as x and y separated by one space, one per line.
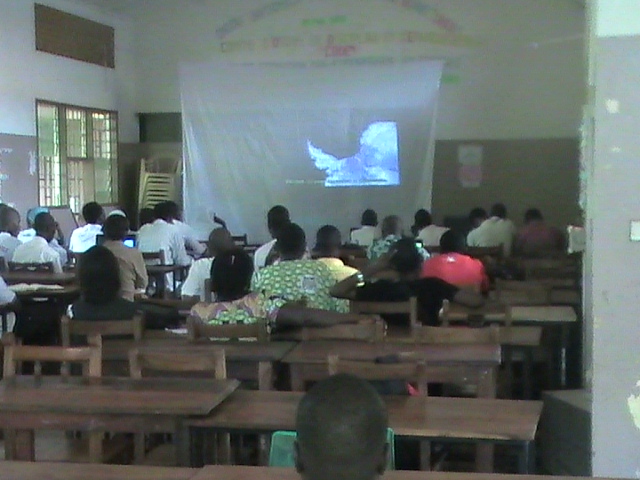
611 291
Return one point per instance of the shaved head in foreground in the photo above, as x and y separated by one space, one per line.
342 431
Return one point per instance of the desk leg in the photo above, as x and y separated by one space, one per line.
265 382
24 448
487 386
564 345
526 462
297 377
484 457
425 455
183 443
487 383
528 373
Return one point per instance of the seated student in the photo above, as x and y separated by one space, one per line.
424 229
99 279
391 233
405 260
193 288
133 271
190 236
536 238
163 235
83 238
9 228
476 217
231 273
146 217
296 279
327 251
368 231
39 250
56 243
277 218
342 431
495 231
454 267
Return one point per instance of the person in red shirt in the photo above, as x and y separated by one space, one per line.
454 267
536 238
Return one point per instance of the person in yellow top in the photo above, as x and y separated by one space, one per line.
327 251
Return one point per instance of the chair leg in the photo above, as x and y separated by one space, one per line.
95 447
139 448
425 455
9 444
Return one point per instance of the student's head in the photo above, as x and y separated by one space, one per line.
452 242
533 215
277 218
231 273
10 220
93 213
422 219
369 218
174 210
406 258
291 242
99 276
328 241
115 227
146 216
391 225
342 431
164 211
219 241
499 210
477 216
45 226
32 213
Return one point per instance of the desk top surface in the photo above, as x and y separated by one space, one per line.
69 471
126 396
424 417
318 351
45 278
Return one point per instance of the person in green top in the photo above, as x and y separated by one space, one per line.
231 274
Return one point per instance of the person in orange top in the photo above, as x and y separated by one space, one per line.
454 267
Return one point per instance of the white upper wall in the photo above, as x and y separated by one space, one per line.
28 75
520 76
616 18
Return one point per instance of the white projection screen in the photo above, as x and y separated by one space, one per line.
326 141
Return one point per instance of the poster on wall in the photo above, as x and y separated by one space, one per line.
470 165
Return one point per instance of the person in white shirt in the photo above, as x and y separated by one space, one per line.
368 232
38 249
190 236
163 235
424 229
277 218
9 228
83 238
29 234
495 231
193 288
7 296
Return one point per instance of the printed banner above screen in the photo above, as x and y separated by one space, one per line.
325 141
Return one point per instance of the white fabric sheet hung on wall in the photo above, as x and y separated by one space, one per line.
325 141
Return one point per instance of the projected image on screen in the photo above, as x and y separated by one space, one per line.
375 164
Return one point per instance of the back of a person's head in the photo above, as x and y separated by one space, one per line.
277 217
499 210
406 258
174 209
328 240
44 223
9 220
93 213
533 215
163 211
422 219
291 241
115 227
477 214
342 427
99 276
452 242
369 218
231 272
146 216
391 225
220 240
32 213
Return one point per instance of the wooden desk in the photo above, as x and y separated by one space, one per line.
247 361
220 472
308 360
106 404
44 278
423 418
68 291
159 272
70 471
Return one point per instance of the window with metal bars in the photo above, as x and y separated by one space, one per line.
77 155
